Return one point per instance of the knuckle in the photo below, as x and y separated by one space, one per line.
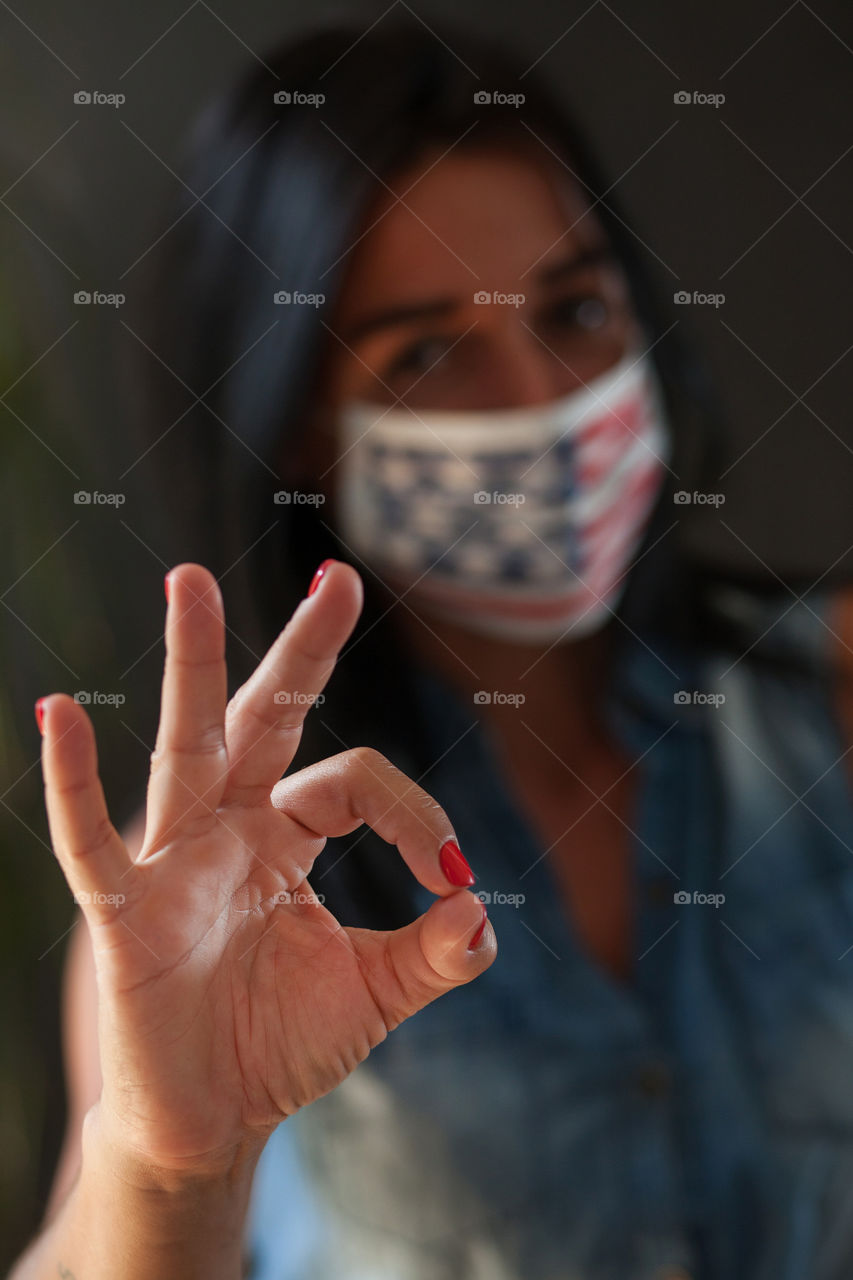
415 798
235 703
102 835
192 663
67 790
247 795
194 824
270 721
293 643
410 989
368 759
206 740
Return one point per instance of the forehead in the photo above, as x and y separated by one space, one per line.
455 222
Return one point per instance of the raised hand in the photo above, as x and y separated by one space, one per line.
228 995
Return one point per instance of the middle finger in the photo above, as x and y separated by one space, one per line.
263 721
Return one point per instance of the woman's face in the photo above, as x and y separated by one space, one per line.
409 325
480 280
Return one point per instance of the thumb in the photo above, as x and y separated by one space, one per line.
448 945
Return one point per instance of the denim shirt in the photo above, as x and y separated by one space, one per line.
546 1122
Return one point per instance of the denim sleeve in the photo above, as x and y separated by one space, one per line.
284 1232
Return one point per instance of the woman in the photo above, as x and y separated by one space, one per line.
642 767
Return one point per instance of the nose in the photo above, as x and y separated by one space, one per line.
524 372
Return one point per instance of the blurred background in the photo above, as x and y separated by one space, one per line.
728 135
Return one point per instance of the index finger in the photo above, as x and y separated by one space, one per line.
264 719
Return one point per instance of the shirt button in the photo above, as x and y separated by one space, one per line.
655 1080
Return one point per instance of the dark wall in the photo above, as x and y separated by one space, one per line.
750 198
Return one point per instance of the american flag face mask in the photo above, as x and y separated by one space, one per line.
516 523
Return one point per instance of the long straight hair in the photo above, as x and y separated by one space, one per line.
285 186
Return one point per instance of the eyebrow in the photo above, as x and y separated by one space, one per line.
594 256
438 308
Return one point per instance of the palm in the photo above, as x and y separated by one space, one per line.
229 996
234 952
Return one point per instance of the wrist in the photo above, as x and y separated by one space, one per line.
107 1145
130 1216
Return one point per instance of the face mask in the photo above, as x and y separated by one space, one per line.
515 523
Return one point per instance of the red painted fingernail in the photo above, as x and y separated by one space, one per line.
166 587
40 714
318 576
454 866
479 933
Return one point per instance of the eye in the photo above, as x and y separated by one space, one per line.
587 313
419 356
